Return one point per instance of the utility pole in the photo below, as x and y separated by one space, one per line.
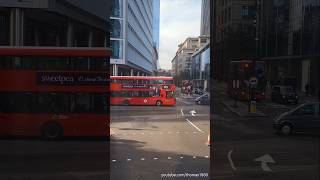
253 79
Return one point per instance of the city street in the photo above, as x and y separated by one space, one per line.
241 144
150 142
67 159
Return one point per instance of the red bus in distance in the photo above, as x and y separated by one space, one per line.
240 73
54 91
142 90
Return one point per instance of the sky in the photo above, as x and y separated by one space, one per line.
179 19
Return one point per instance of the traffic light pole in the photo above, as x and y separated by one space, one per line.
252 98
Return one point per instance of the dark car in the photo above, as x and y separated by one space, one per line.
199 91
284 94
203 99
304 118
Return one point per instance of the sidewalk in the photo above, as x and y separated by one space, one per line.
241 109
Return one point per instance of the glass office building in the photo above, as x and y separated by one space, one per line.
133 37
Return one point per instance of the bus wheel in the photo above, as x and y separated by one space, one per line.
52 131
158 103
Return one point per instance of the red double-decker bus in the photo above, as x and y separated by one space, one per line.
142 90
54 92
239 79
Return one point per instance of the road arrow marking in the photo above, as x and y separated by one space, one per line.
193 112
230 160
182 113
265 159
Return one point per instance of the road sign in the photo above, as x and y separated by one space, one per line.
253 81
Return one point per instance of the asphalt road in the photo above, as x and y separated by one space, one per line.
68 159
239 142
161 142
151 143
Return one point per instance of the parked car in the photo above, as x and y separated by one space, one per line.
199 91
284 94
203 99
304 118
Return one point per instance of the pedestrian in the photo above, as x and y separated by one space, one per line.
307 89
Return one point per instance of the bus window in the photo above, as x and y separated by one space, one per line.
81 102
135 94
168 82
159 81
170 94
99 103
45 103
61 102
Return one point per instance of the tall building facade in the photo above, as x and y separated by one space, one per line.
132 37
290 41
66 23
205 18
234 34
155 30
200 60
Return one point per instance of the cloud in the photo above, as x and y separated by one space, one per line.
179 19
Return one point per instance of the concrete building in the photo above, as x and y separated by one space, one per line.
234 34
54 23
181 63
132 37
290 41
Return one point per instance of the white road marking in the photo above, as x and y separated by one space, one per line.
194 126
230 160
192 112
182 112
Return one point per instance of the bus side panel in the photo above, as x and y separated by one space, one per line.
86 125
27 124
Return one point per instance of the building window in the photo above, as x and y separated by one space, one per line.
116 46
117 8
245 11
116 29
4 29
